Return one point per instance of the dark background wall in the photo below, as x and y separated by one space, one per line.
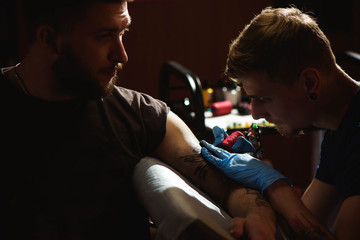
195 33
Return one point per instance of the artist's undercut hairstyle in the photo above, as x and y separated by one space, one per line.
281 41
59 15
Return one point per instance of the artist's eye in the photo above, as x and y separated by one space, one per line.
103 36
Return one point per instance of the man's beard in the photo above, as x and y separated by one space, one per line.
76 79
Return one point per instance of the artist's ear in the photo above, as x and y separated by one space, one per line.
46 35
312 82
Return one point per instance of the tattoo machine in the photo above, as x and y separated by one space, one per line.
252 135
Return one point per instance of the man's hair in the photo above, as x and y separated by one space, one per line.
60 14
281 41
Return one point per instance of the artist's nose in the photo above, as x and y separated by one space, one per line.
258 109
118 53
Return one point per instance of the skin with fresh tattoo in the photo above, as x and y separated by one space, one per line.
201 171
202 166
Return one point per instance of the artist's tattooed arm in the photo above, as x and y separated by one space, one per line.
293 218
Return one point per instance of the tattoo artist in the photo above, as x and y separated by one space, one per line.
285 64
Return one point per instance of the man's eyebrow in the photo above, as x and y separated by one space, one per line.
115 29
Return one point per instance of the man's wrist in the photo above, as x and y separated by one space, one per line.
244 201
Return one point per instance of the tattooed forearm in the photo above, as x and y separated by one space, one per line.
306 233
312 233
201 168
260 200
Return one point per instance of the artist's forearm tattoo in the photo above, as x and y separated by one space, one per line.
312 233
307 233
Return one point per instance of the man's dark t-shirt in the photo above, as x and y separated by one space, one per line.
66 166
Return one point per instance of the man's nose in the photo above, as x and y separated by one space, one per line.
258 109
118 53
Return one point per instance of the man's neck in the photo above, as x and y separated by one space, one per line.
39 78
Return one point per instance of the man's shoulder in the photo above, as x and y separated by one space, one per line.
127 93
135 98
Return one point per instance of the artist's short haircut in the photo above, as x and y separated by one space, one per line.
281 41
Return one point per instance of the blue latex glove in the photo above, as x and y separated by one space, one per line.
242 168
242 145
219 134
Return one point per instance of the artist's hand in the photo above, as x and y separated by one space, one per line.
237 145
242 168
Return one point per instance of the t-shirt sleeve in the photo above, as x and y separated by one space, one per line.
154 116
145 118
